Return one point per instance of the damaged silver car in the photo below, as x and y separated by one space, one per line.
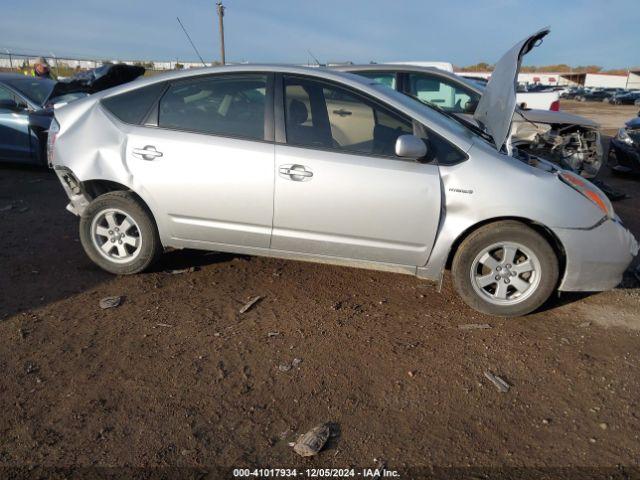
324 166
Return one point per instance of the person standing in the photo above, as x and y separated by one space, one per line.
40 69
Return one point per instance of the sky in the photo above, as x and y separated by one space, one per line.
463 32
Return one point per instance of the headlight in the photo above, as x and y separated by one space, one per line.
589 191
624 137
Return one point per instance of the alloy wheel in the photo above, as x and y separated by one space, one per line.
505 273
116 235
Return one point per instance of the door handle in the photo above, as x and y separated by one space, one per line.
298 173
342 112
149 152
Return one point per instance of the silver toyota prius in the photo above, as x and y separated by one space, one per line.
318 165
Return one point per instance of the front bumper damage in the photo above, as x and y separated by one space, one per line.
78 201
596 258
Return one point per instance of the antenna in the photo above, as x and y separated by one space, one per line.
313 56
191 41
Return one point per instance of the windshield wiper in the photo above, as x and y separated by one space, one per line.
471 126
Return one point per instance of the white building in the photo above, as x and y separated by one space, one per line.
598 80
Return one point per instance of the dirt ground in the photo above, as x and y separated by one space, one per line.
177 377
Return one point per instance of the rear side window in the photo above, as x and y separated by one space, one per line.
132 107
232 105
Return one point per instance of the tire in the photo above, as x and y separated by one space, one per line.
119 234
480 261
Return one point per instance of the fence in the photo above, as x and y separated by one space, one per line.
20 62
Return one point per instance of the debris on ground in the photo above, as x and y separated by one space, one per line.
182 270
381 466
311 443
474 326
110 302
584 324
273 334
250 304
164 325
285 367
6 208
30 368
500 383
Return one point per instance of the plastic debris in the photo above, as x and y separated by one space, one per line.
110 302
500 383
311 443
250 304
474 326
182 270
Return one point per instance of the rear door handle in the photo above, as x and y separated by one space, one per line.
295 172
149 152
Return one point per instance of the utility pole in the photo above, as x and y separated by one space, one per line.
220 8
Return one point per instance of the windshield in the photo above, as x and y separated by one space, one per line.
36 90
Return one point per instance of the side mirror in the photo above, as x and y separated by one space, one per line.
410 146
9 104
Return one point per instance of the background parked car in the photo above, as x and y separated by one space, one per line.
598 95
572 93
626 97
27 104
625 148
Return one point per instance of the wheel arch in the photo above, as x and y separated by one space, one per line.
95 187
543 230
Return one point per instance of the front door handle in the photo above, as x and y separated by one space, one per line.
298 173
149 152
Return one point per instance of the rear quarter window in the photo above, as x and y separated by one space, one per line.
133 106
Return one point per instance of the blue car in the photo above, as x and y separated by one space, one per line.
27 104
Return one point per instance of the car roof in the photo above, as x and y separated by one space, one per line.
399 67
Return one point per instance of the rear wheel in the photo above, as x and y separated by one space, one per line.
505 269
119 234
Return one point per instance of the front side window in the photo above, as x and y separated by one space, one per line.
232 105
6 94
443 92
322 115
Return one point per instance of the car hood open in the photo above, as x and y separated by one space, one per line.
97 79
498 102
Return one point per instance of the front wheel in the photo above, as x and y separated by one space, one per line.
505 269
119 234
